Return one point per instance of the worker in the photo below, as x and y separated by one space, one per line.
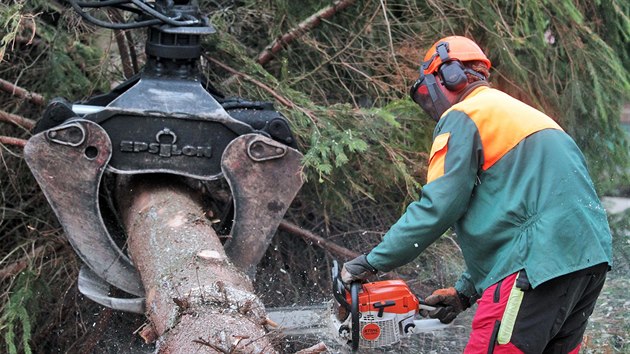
515 188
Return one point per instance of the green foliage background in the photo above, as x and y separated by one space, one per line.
365 142
568 58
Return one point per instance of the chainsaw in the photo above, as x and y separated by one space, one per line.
367 315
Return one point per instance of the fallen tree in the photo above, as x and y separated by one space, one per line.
196 300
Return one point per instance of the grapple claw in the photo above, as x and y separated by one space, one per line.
97 290
68 162
264 176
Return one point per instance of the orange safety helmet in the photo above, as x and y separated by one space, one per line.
443 67
460 48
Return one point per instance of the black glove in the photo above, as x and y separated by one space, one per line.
448 302
356 269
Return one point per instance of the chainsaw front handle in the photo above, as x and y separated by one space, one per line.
427 307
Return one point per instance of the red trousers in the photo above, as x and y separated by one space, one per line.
512 317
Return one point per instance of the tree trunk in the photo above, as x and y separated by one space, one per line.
196 300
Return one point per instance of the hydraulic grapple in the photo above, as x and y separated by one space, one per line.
169 120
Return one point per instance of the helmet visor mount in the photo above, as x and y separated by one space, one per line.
426 93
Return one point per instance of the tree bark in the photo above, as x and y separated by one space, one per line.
22 93
20 121
9 140
197 301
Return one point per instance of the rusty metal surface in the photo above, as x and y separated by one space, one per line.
264 176
68 163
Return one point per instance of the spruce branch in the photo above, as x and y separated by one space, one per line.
9 140
22 263
22 93
311 22
20 121
283 100
125 46
317 240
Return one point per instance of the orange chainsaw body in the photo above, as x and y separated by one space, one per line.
386 312
375 315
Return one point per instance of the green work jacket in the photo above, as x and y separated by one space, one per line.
516 189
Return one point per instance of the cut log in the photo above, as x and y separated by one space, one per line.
197 301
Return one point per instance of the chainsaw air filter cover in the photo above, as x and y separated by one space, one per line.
386 311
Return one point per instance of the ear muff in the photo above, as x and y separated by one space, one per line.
452 71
